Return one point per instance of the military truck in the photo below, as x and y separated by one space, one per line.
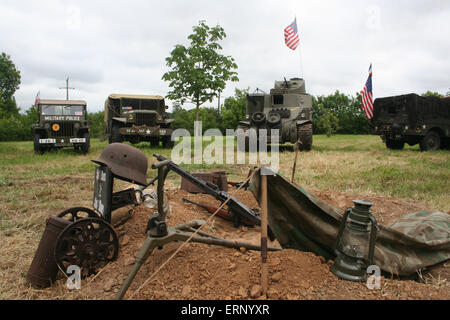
412 119
137 118
61 123
287 108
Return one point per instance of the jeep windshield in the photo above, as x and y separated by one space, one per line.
61 110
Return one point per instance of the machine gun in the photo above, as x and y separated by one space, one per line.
221 213
159 233
238 210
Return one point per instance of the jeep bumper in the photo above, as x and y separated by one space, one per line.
62 141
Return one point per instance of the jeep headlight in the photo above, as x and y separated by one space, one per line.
130 117
406 127
76 126
47 126
159 118
56 127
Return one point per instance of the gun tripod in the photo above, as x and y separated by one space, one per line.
160 234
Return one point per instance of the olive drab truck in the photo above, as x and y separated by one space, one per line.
137 118
412 119
61 123
287 108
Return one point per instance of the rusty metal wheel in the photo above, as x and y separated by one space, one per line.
89 243
77 213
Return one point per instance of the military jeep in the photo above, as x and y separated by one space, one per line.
287 108
137 118
412 119
62 123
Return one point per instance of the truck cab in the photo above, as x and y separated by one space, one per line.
137 118
412 119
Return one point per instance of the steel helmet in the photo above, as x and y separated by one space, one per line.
125 162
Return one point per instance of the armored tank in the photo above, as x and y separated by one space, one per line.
287 108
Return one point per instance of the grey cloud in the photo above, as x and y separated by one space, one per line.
120 46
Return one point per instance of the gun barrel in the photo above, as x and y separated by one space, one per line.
234 204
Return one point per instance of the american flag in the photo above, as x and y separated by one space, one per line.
367 96
291 35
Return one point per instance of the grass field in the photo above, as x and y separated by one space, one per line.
34 187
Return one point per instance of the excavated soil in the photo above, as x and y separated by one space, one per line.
200 271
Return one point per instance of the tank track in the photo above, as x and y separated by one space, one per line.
305 135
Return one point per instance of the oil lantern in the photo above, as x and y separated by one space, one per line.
355 243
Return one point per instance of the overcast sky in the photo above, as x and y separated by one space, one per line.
120 46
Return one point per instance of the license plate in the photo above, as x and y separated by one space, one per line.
47 140
78 140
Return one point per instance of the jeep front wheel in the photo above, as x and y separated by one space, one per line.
37 147
395 144
431 142
85 146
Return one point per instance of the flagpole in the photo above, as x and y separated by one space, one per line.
301 62
300 52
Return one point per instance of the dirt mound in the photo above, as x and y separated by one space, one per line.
199 271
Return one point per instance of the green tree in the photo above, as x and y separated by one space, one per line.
234 109
432 94
347 109
96 123
328 123
9 83
199 72
16 127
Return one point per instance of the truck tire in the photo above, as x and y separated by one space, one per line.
395 144
37 147
167 142
86 146
154 142
115 136
134 140
431 142
305 136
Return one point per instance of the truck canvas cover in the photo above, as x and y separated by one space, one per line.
302 221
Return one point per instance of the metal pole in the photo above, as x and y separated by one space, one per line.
67 88
264 272
296 148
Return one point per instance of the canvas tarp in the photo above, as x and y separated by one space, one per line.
302 221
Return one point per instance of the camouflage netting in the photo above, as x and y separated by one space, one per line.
304 222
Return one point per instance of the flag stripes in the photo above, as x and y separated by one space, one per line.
291 37
367 96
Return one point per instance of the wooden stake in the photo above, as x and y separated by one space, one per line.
264 272
296 148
